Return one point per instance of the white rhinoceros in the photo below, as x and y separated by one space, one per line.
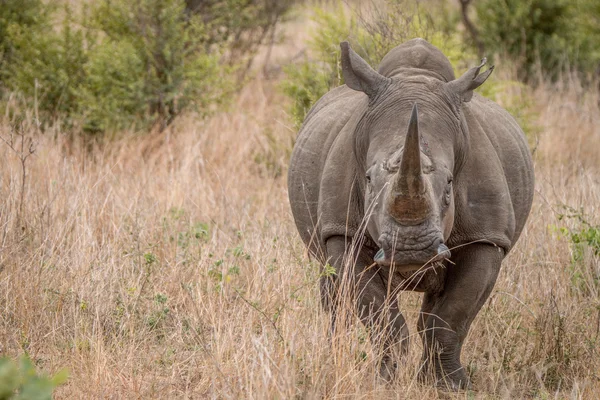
405 179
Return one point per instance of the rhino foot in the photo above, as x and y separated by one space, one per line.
452 382
387 369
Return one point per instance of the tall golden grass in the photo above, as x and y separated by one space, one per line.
168 266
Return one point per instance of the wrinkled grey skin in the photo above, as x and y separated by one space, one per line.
406 169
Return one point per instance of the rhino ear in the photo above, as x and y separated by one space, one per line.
358 74
470 81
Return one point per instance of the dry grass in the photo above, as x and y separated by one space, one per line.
168 266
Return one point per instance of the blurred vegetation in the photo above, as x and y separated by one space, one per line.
20 381
151 63
542 36
242 24
128 64
116 65
36 61
373 34
539 38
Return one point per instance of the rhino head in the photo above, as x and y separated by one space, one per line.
410 144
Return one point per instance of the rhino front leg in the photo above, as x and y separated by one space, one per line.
369 291
446 317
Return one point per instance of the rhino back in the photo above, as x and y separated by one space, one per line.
323 126
417 57
495 192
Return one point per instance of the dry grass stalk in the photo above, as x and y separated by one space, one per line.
168 266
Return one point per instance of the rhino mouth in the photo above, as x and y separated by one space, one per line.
411 260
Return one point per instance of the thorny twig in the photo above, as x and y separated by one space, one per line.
23 152
204 346
261 312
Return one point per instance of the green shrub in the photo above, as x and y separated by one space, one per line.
113 94
586 235
542 35
310 79
150 63
516 98
585 26
373 35
305 83
42 64
20 381
16 17
242 24
128 64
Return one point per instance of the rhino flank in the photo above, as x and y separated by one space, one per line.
404 179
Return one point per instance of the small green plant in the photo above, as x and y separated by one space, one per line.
584 241
239 252
197 233
156 319
149 258
19 380
201 231
224 271
585 236
160 298
328 270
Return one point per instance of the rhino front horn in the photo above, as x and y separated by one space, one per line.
410 180
409 201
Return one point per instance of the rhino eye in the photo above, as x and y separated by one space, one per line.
368 178
448 193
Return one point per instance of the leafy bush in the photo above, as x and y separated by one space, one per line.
516 98
242 24
305 84
129 64
549 35
151 63
20 381
310 79
17 16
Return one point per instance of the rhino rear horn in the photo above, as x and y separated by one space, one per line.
470 81
358 74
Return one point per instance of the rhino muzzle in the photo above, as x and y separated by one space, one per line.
412 259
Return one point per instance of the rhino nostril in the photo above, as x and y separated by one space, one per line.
443 251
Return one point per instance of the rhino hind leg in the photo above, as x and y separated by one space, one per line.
446 317
361 283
